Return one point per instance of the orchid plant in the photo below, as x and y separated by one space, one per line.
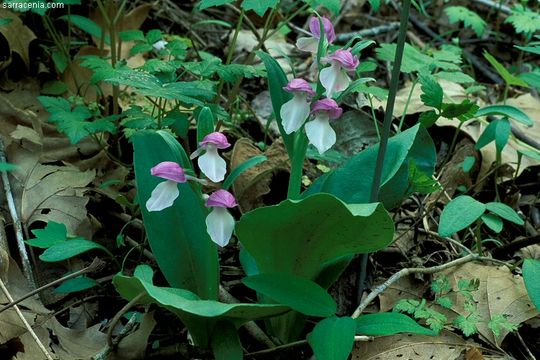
185 226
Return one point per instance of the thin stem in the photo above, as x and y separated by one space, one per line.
478 236
407 104
377 176
232 48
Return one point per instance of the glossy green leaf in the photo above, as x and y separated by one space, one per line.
505 211
177 235
86 25
77 284
68 249
52 234
246 165
459 214
531 275
226 343
200 316
333 338
205 123
499 131
506 110
347 184
390 323
276 81
259 6
493 222
298 237
299 293
505 74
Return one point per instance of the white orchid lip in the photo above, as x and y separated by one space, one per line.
335 78
210 163
159 45
220 223
295 111
166 192
319 131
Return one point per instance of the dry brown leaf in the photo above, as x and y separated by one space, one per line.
277 46
253 183
76 344
49 192
17 35
446 346
500 293
355 131
404 288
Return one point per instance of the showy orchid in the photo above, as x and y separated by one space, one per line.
295 111
335 78
311 44
166 192
220 223
210 163
319 132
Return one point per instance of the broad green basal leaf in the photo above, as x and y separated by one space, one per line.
383 324
299 293
177 235
333 338
299 237
351 182
531 275
200 316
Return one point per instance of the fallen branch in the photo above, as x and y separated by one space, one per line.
26 324
374 31
405 272
17 225
94 266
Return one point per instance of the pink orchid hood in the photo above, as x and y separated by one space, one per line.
345 58
217 139
315 28
221 198
299 85
329 106
170 171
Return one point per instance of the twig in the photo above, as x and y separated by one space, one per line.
374 31
94 266
104 353
495 5
515 245
520 135
17 225
118 316
299 343
26 324
405 272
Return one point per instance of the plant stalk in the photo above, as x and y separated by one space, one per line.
377 176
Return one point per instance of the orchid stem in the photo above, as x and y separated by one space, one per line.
377 176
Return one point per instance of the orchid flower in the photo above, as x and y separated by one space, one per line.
319 132
295 111
220 223
311 44
166 192
210 163
335 78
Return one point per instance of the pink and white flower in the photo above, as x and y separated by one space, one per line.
311 44
319 132
220 223
295 111
210 163
166 192
335 78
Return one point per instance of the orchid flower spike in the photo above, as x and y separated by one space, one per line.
166 192
311 44
335 78
319 132
295 111
220 223
210 163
